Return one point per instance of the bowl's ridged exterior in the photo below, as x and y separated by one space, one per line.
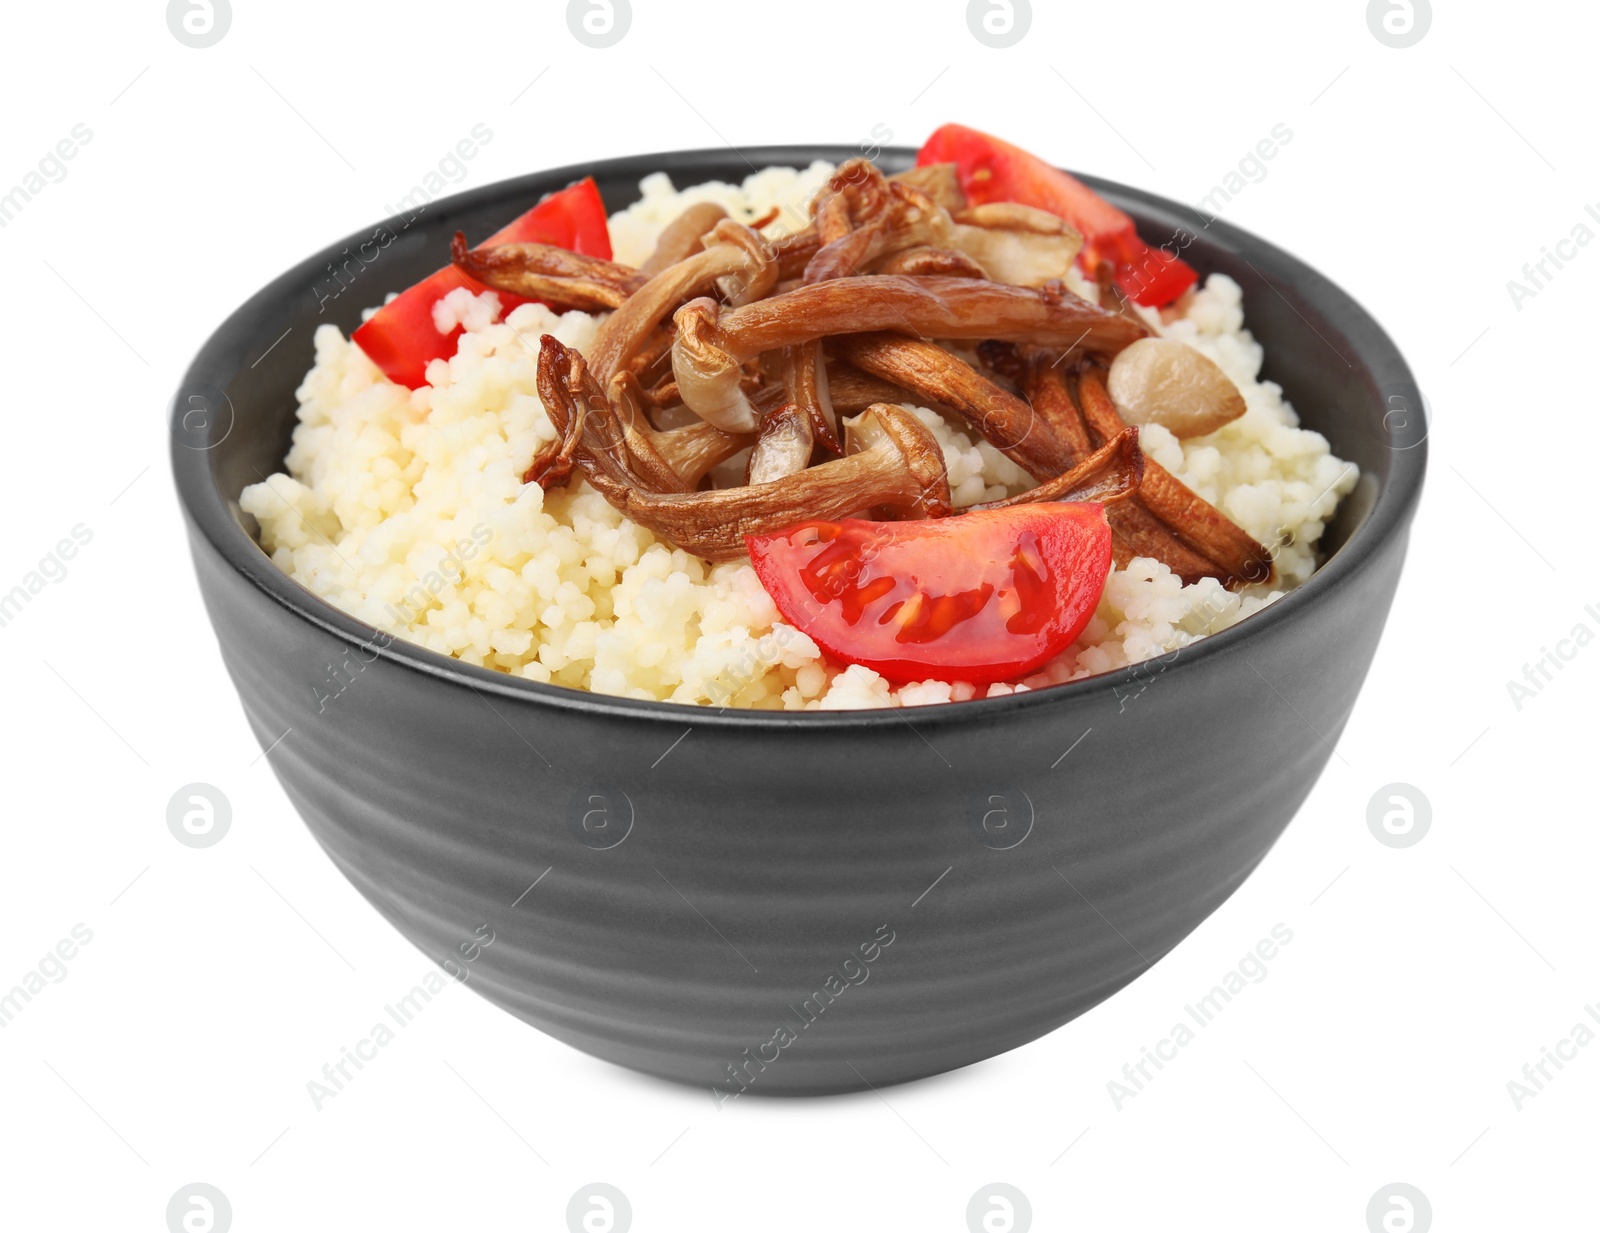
765 853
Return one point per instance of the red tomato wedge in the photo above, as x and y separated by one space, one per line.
400 338
995 170
982 597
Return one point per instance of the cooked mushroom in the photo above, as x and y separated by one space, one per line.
855 192
805 383
794 251
737 260
1163 381
927 259
1110 475
904 218
851 390
752 371
544 272
1234 554
589 430
903 468
694 450
783 446
1041 376
691 451
1137 532
930 306
683 237
1017 243
708 377
615 432
941 182
711 344
931 373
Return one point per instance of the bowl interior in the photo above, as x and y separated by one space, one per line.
235 412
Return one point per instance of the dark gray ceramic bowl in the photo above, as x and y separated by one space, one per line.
794 903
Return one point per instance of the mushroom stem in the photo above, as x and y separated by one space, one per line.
735 253
905 219
928 259
932 374
1042 378
683 237
544 272
1234 554
903 468
1137 532
693 450
794 251
614 432
805 383
1110 475
711 344
851 390
927 306
783 447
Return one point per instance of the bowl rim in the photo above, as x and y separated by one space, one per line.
221 356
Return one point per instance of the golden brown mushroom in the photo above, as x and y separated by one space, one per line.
783 446
711 343
683 237
932 374
737 261
1016 243
1234 554
904 468
1110 475
615 433
544 272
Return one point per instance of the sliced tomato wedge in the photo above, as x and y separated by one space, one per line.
982 597
995 170
400 338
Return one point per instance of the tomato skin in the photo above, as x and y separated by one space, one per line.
982 597
400 338
995 170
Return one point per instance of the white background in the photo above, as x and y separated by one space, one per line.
1419 982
